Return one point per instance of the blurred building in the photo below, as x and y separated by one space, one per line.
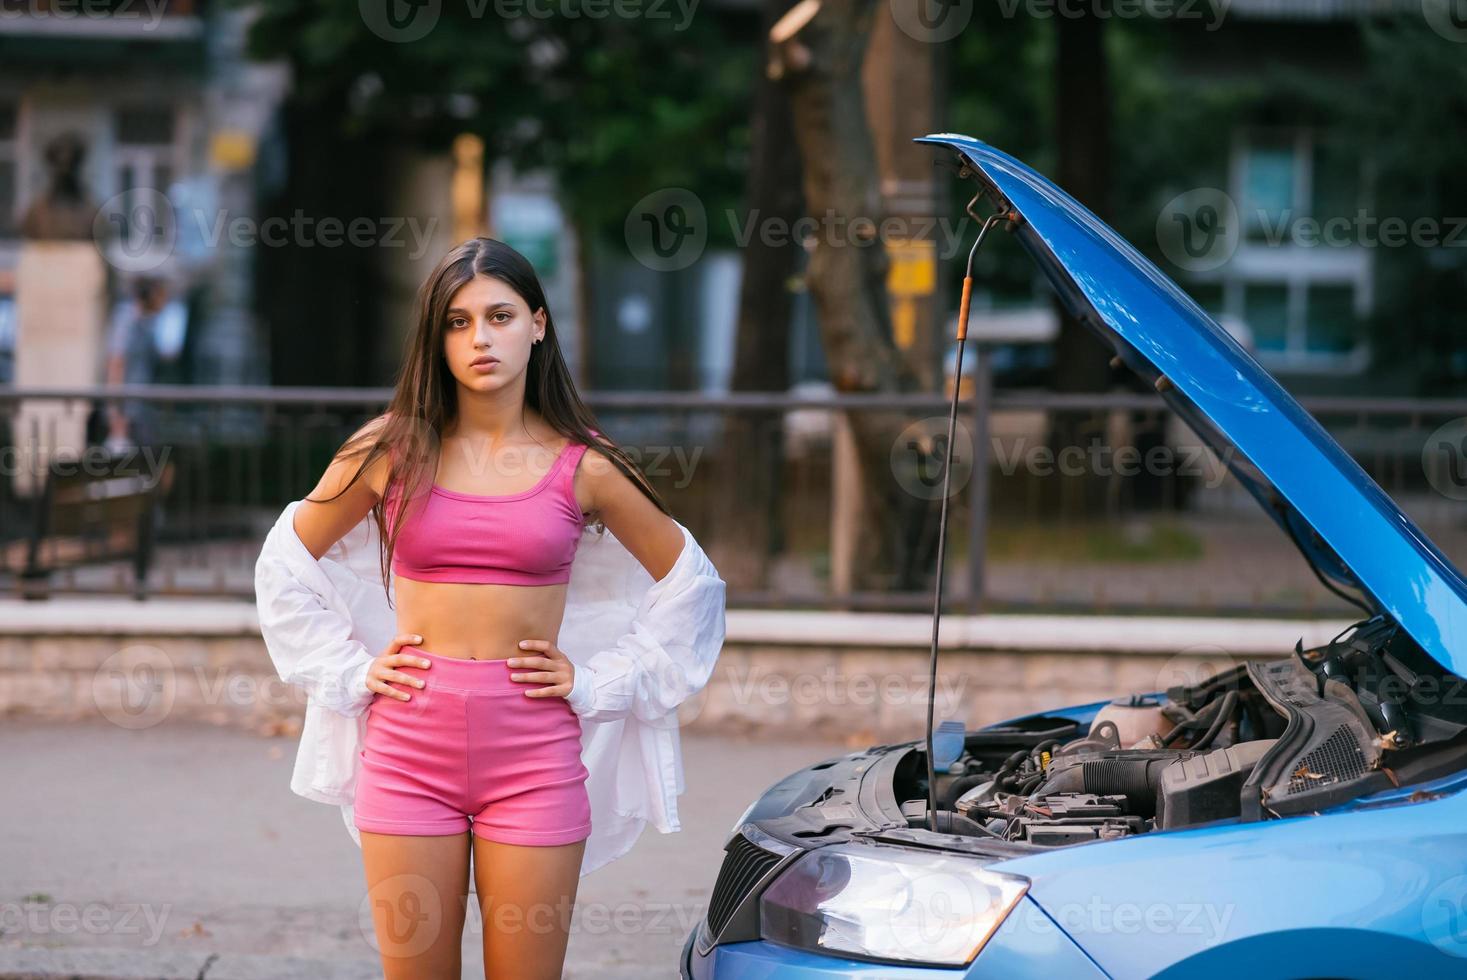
169 110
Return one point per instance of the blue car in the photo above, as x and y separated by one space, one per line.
1304 816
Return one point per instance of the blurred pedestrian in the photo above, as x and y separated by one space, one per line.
144 337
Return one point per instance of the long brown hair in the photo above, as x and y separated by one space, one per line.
425 397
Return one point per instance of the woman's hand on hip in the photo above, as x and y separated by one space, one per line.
555 669
383 668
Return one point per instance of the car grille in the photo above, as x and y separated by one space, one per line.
1335 760
744 864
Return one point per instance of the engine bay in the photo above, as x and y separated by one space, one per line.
1265 739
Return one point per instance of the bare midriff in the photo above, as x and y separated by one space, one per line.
478 622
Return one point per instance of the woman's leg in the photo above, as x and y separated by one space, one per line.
418 889
526 896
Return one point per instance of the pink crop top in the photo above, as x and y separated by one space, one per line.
526 538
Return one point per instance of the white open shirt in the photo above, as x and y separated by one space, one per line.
640 649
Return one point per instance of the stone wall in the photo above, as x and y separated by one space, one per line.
862 678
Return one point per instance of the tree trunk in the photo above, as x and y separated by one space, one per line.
817 54
750 501
1082 119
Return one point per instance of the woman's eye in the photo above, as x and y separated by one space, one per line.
460 321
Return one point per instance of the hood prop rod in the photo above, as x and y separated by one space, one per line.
946 479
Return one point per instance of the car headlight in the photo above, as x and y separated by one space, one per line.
872 901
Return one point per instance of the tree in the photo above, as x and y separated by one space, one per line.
817 51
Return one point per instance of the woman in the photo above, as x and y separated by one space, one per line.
482 474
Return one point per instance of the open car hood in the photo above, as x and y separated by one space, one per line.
1354 533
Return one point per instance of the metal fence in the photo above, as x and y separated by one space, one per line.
1061 502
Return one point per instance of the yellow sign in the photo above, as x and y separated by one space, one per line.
911 273
912 268
231 149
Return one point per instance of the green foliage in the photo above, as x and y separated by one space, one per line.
1409 108
616 107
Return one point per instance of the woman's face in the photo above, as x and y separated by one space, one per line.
488 319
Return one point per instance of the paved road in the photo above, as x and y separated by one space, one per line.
185 840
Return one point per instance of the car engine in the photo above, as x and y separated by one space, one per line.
1265 739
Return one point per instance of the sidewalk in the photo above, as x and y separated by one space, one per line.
179 851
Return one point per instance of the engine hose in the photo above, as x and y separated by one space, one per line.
1012 762
955 789
1045 746
1224 712
1194 722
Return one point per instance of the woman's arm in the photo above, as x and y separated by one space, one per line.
649 534
311 645
322 522
678 632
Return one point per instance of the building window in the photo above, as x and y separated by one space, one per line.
1266 311
1271 178
9 191
1300 280
145 153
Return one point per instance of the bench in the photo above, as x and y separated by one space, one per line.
86 515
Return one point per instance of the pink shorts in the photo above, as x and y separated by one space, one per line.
471 751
